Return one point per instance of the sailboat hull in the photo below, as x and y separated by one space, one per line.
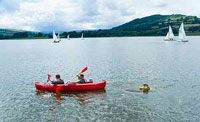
169 39
184 40
56 41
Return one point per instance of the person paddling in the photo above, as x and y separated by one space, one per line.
81 80
58 80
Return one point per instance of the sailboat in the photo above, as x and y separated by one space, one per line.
181 34
170 35
56 39
68 37
82 36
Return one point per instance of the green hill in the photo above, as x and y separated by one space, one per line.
157 25
14 34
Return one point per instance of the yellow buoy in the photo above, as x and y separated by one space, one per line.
145 87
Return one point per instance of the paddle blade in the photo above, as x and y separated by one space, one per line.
49 75
59 88
85 69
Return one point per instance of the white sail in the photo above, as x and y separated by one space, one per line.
68 37
167 36
181 34
170 35
55 38
82 36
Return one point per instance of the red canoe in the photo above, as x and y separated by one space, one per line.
71 87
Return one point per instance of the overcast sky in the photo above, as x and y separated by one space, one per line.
67 15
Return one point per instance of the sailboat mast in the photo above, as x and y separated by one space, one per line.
82 36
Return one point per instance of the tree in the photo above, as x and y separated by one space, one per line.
1 36
39 34
20 35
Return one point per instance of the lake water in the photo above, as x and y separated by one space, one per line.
172 70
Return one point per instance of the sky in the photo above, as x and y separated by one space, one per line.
68 15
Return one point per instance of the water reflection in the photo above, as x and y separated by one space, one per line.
82 97
85 97
138 91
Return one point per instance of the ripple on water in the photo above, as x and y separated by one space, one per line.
170 69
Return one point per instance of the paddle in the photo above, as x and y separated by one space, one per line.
61 87
48 75
85 69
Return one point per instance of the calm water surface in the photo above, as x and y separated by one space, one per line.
172 70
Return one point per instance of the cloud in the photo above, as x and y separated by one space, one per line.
5 6
46 15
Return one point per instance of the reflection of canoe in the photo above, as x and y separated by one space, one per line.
71 87
83 97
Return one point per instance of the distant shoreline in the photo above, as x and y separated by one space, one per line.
91 37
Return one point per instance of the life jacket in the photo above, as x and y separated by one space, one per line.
60 81
86 81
